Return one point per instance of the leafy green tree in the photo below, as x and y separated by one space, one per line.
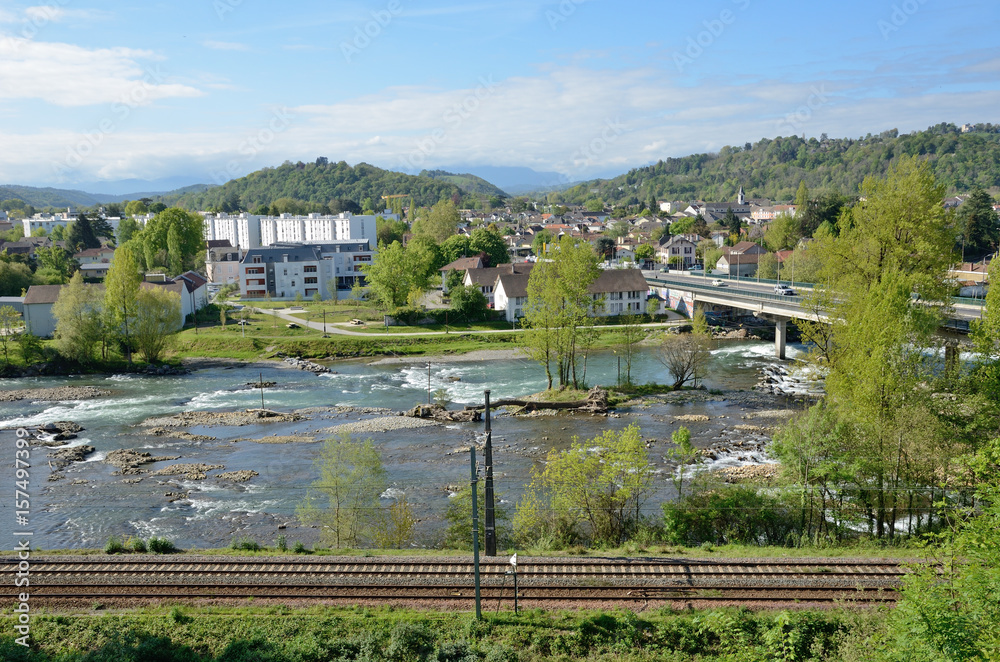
455 247
10 322
158 315
468 302
600 485
644 252
388 230
134 208
78 312
559 304
55 266
188 239
490 242
895 243
440 223
458 515
605 247
783 232
389 278
540 240
80 234
344 500
801 197
121 294
15 277
684 454
594 204
980 224
629 337
423 259
767 266
31 347
396 525
733 224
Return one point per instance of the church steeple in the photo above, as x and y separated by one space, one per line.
741 199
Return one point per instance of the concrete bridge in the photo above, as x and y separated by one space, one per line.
760 299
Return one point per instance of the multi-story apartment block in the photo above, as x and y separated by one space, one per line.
284 270
241 230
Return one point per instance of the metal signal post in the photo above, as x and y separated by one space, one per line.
491 527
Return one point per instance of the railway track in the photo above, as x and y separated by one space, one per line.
542 581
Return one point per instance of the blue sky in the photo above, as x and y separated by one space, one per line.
213 89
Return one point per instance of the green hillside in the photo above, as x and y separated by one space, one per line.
773 168
317 184
467 182
48 197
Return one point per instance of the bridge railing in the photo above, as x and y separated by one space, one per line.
754 294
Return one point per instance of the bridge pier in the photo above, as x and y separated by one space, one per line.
780 334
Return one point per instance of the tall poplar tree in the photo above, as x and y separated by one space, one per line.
121 289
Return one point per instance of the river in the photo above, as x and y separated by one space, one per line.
89 503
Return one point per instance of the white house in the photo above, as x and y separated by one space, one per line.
615 292
485 279
680 248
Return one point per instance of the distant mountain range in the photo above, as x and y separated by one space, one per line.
55 197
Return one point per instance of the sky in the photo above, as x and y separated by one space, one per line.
209 90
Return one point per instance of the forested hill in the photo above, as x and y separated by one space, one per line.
467 182
318 184
773 168
49 197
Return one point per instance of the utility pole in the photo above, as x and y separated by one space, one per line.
491 527
428 382
475 533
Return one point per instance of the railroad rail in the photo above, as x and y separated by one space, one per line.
584 581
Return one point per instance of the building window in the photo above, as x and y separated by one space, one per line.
309 270
311 281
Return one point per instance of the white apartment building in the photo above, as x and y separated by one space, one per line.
284 270
247 231
241 231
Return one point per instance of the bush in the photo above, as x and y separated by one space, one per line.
299 547
161 546
282 543
137 545
114 545
729 515
245 543
410 641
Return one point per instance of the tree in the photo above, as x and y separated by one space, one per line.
492 243
600 484
540 240
389 278
629 337
15 277
423 260
559 303
468 302
10 322
132 209
56 265
396 525
158 315
801 197
188 240
896 242
732 223
441 223
783 232
344 500
683 453
604 246
594 204
767 266
458 515
121 293
684 355
455 247
980 224
644 252
78 312
80 235
389 230
58 233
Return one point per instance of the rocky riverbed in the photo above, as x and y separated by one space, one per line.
54 394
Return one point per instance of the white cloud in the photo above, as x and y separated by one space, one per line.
225 46
69 75
550 121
